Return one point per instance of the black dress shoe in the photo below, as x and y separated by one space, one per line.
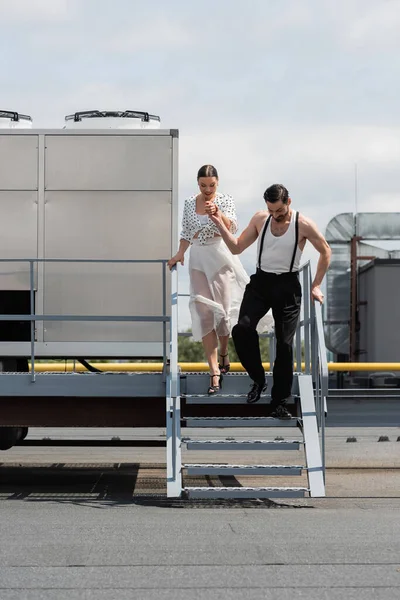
255 392
281 412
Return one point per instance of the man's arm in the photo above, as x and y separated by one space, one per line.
316 238
226 220
246 238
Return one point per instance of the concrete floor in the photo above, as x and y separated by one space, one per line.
94 523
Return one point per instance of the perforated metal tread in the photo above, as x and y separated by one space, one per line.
228 399
241 444
225 469
223 400
245 492
229 374
221 396
239 422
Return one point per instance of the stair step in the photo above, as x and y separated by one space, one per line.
227 399
223 399
224 469
245 492
241 444
223 396
239 422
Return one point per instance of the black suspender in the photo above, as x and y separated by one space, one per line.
262 241
296 236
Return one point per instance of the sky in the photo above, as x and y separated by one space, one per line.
290 91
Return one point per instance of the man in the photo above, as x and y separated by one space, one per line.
282 234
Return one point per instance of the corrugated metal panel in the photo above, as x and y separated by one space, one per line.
378 226
340 228
370 226
338 300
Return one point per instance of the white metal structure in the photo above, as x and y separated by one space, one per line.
89 221
310 387
96 212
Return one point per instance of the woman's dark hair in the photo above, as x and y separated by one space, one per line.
275 193
207 171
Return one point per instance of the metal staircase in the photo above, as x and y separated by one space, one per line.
187 407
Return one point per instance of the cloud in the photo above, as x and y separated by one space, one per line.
107 40
36 10
316 163
295 92
376 28
162 33
250 158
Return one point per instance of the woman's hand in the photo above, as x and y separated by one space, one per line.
210 207
216 218
175 259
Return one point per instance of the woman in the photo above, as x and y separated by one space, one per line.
217 278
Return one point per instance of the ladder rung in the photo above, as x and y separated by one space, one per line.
224 469
239 422
241 444
245 492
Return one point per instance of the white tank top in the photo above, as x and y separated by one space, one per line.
203 219
279 254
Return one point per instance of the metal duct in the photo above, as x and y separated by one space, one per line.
339 232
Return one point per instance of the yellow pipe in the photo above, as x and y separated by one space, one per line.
69 367
197 367
364 366
130 367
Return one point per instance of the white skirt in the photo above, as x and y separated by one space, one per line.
217 284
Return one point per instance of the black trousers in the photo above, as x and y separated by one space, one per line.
282 293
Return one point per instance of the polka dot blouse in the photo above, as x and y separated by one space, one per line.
191 223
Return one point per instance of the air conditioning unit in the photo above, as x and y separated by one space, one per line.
112 119
10 119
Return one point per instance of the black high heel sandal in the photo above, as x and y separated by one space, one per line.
214 389
224 368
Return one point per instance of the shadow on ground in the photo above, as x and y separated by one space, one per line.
112 485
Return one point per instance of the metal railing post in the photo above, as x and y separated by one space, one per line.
173 404
323 373
32 309
164 312
306 317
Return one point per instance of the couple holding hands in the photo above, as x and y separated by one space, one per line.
224 301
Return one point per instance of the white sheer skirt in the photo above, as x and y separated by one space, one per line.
217 285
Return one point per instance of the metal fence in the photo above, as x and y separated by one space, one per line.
33 317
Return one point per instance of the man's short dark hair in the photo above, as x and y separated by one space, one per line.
275 193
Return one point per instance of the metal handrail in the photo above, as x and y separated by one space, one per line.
322 348
315 365
315 356
33 318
